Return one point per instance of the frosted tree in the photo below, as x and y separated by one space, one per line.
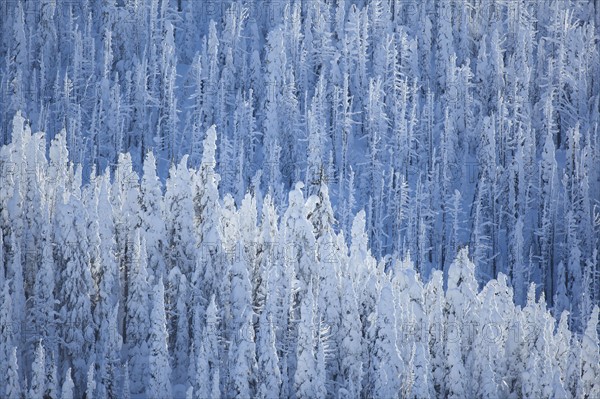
362 272
206 380
76 327
106 385
267 267
444 43
126 211
52 378
126 391
159 369
460 299
200 378
181 257
242 355
274 82
590 370
375 129
15 277
350 340
269 375
137 322
37 387
179 340
91 382
297 235
386 368
108 339
328 297
152 223
42 312
32 189
2 271
454 214
67 386
487 364
179 205
321 379
248 231
13 382
435 303
421 370
306 369
207 275
317 126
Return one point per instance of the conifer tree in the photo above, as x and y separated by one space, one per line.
37 387
386 369
269 375
13 386
589 351
159 376
243 349
305 378
137 318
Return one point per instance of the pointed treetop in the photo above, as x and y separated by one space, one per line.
210 146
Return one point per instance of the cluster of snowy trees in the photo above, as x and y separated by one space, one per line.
451 123
121 287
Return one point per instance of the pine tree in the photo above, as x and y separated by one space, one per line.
269 375
37 387
207 274
590 369
159 384
43 313
242 355
306 369
15 276
126 392
460 297
13 384
75 284
91 382
106 385
152 223
108 339
386 369
435 303
67 386
137 322
206 381
181 256
52 378
350 340
297 235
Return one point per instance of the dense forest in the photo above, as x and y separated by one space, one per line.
120 290
299 198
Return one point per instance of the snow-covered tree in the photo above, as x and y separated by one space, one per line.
152 223
351 345
37 387
590 369
67 386
242 355
386 369
137 318
305 378
76 326
13 382
268 373
159 369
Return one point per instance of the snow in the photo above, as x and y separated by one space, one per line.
299 199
